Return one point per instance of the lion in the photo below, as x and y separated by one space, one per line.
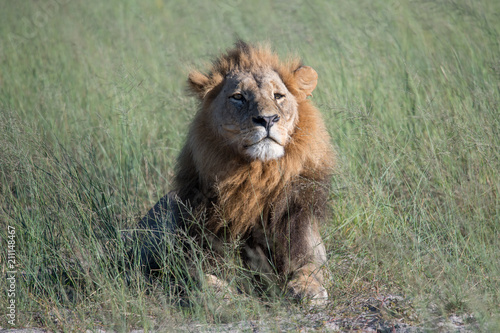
256 167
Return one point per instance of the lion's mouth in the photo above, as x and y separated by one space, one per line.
267 138
265 149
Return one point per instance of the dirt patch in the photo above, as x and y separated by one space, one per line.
389 313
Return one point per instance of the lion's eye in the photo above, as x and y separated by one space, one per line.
238 97
278 96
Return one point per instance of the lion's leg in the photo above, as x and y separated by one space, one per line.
307 255
260 270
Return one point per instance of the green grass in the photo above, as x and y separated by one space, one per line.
93 113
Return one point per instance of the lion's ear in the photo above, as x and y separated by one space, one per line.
306 78
198 83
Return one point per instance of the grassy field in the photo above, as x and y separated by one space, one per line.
93 113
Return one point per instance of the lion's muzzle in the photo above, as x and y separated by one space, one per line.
266 121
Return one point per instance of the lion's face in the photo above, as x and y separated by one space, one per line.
250 102
255 114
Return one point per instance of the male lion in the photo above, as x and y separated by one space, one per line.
256 167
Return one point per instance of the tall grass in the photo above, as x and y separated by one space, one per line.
93 113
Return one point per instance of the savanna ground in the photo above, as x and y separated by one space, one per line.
93 113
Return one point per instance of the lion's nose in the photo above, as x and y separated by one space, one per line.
266 121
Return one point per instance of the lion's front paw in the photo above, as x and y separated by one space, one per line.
219 287
307 288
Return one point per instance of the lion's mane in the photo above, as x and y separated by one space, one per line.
233 192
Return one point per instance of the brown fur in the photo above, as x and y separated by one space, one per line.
281 199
